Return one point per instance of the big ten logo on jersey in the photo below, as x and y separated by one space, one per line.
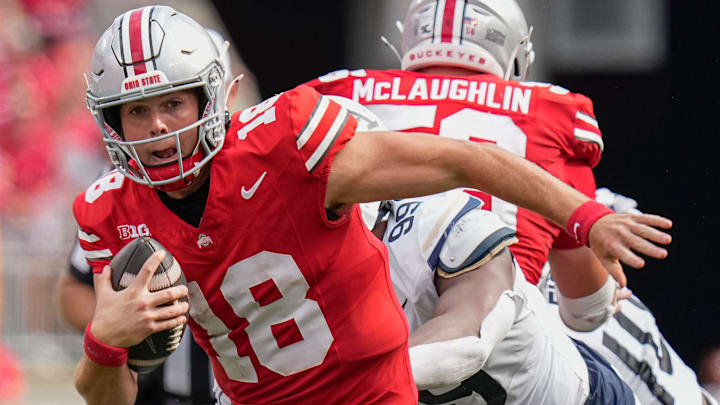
132 231
404 219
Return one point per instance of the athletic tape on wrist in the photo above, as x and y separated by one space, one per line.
585 314
583 218
102 354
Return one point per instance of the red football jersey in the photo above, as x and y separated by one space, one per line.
291 306
543 123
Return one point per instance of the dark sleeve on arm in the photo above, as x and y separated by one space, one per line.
78 266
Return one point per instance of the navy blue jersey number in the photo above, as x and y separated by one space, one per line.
404 220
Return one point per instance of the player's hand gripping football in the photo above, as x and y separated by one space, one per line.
124 318
619 238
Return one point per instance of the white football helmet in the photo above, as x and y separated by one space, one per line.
148 52
483 35
220 42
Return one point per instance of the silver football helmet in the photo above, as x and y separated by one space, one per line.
483 35
224 48
148 52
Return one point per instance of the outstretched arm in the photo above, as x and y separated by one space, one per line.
383 165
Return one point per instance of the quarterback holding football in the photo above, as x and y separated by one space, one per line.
289 293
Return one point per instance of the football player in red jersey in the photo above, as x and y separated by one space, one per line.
185 378
463 64
289 293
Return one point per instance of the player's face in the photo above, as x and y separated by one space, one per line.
160 115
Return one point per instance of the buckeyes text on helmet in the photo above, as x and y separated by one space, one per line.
147 52
482 35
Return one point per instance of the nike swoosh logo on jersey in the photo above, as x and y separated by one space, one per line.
247 194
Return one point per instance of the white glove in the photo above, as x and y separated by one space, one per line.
587 313
616 202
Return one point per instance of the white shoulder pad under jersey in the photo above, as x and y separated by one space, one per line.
631 341
448 232
471 241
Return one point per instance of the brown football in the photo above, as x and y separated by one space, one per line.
155 349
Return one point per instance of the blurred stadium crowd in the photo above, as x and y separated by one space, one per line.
49 150
49 147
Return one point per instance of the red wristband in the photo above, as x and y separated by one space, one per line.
583 218
102 354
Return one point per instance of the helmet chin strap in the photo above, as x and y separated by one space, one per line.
170 170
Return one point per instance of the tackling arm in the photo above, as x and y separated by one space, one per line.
473 313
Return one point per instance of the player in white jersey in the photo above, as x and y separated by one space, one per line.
631 341
481 334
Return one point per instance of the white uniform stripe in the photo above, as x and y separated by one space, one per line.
313 122
438 26
77 260
589 136
458 20
87 237
144 26
125 34
584 117
327 141
96 254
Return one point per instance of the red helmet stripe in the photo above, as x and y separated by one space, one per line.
136 41
448 19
